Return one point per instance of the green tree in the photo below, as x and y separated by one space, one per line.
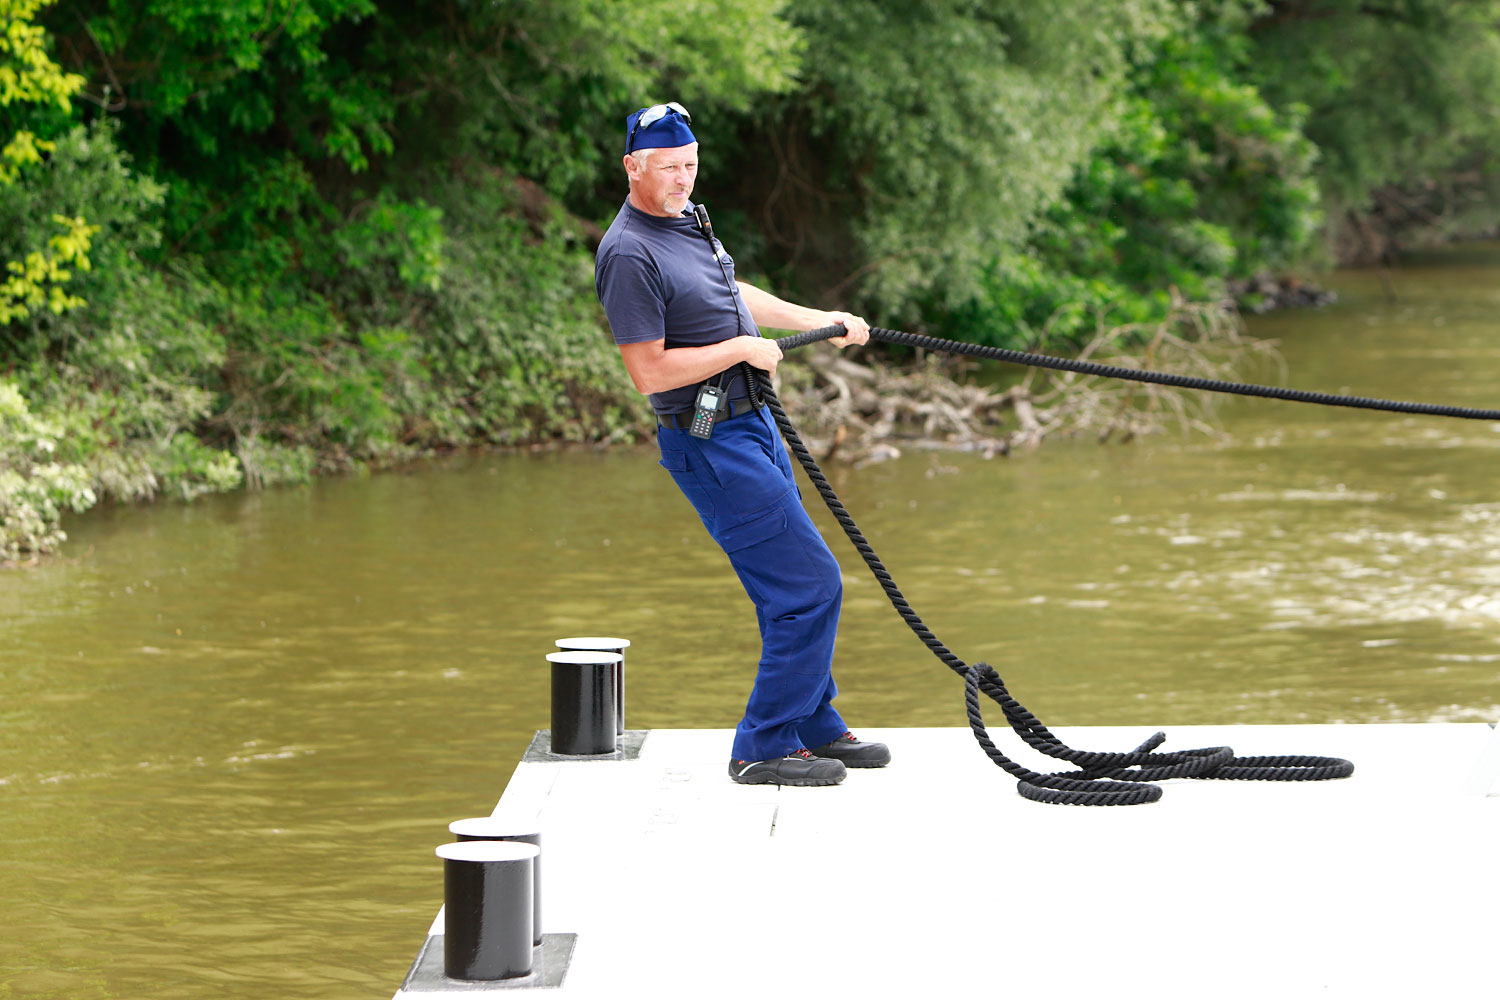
1198 186
543 87
1400 97
235 105
927 135
273 120
28 76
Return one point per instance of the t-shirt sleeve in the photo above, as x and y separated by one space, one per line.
631 292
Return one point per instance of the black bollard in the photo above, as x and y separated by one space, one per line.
487 907
583 702
489 828
606 644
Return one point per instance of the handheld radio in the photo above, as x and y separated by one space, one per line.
710 401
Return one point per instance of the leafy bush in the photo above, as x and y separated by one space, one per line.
512 343
130 390
126 379
35 488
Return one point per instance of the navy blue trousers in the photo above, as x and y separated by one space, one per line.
740 482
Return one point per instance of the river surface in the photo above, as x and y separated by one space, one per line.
232 732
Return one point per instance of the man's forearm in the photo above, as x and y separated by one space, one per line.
654 369
769 311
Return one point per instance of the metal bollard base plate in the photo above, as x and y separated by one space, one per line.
627 747
549 964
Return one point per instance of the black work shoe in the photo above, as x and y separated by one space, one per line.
796 768
853 753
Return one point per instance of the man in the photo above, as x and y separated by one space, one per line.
682 322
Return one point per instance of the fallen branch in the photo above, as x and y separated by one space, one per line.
866 412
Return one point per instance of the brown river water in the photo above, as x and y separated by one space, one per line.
231 732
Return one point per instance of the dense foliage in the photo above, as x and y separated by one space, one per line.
248 240
1400 99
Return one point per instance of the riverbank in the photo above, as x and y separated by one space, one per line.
368 236
853 411
852 408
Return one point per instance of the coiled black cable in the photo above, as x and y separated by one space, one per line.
1102 779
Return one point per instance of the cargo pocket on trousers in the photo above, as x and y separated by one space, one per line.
741 536
786 578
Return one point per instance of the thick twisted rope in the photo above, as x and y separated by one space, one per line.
1140 375
1102 779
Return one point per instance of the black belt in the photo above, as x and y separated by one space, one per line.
682 421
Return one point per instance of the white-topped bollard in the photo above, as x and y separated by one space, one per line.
488 892
489 828
583 702
605 644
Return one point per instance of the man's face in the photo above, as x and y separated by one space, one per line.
661 185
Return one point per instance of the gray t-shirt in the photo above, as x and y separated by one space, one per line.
658 279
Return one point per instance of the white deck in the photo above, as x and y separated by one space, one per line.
932 877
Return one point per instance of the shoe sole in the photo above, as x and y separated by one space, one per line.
771 779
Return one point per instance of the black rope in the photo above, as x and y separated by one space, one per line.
1140 375
1102 779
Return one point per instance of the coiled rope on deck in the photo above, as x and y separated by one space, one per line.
1102 779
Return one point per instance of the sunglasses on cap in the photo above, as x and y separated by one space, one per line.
652 115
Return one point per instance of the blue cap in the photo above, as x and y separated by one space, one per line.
668 131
